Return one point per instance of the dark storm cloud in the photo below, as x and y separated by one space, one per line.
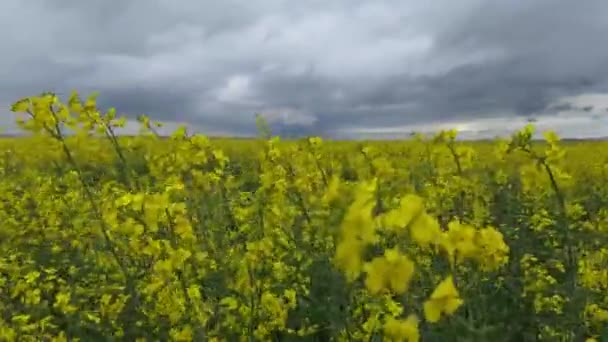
313 67
562 107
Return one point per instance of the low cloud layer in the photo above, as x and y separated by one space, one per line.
346 69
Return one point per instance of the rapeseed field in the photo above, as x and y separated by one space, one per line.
143 238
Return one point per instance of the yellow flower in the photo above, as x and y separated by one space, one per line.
401 271
376 270
493 251
459 241
392 271
348 257
425 230
402 330
444 300
410 207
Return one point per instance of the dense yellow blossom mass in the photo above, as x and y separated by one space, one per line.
186 238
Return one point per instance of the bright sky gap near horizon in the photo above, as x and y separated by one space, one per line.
342 69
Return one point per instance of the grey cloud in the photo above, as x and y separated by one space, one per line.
314 67
562 107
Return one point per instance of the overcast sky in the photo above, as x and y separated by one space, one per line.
336 68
